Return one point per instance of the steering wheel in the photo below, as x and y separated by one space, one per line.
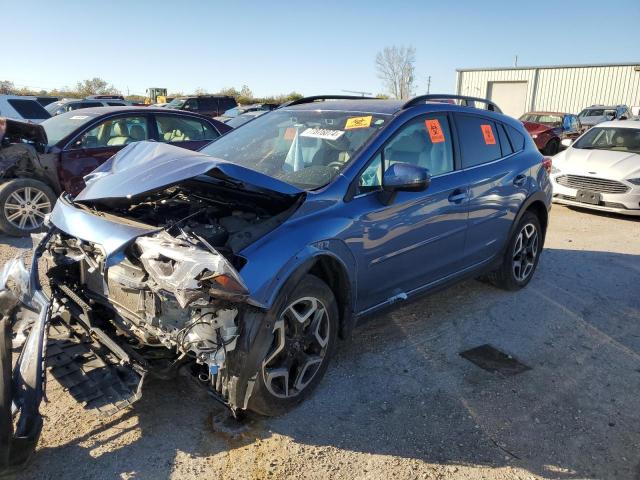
335 164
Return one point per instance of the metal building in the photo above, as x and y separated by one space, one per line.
560 88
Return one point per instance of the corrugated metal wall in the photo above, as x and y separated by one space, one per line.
564 89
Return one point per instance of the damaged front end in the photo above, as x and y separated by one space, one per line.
142 284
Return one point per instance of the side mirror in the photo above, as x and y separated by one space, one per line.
403 177
566 142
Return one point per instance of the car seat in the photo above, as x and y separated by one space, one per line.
120 134
137 133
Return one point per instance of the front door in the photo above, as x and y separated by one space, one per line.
419 237
96 145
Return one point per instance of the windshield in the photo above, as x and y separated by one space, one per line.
304 148
545 119
608 138
60 126
596 112
176 103
232 112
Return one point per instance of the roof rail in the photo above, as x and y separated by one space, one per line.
436 97
316 98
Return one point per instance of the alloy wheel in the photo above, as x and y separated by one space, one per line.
525 252
26 208
301 337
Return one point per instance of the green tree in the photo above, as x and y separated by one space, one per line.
95 86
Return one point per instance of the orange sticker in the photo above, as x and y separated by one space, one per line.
487 133
290 133
435 131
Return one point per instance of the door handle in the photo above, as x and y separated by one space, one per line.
519 180
458 195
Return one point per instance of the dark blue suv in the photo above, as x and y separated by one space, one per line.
245 262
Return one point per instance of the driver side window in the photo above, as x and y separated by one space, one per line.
114 133
424 141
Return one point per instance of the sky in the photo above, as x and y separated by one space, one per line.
310 47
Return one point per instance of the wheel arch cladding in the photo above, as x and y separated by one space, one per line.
332 272
538 208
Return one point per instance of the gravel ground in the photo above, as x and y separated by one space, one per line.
399 402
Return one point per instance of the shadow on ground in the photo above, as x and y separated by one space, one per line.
400 388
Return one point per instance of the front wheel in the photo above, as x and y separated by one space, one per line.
304 338
552 147
521 255
24 203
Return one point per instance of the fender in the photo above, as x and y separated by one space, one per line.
537 196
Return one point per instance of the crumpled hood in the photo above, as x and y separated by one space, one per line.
144 167
603 163
16 130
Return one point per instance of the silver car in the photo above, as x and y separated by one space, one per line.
601 169
596 114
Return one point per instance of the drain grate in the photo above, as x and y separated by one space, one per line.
493 360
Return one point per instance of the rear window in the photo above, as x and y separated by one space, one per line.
227 103
517 138
504 141
29 109
478 140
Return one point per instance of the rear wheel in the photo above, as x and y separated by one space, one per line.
304 338
521 256
24 202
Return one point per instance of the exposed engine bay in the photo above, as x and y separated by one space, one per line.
175 296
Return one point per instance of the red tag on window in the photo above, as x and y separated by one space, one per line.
435 131
487 133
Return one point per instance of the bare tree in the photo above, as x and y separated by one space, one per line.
396 67
7 87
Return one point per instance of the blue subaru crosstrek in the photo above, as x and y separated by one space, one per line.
243 263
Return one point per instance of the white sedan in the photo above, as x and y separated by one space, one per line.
601 169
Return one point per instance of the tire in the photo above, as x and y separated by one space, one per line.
507 277
16 198
552 147
269 396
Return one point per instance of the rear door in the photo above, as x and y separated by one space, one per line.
419 237
498 183
97 144
187 132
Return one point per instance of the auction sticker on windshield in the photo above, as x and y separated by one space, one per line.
358 122
322 133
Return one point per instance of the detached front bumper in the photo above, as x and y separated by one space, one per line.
24 307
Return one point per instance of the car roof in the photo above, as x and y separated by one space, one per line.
383 107
547 113
619 124
98 111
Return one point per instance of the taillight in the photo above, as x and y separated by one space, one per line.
547 163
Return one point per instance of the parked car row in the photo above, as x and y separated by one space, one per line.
549 129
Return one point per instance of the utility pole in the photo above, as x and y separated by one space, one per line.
515 61
428 84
